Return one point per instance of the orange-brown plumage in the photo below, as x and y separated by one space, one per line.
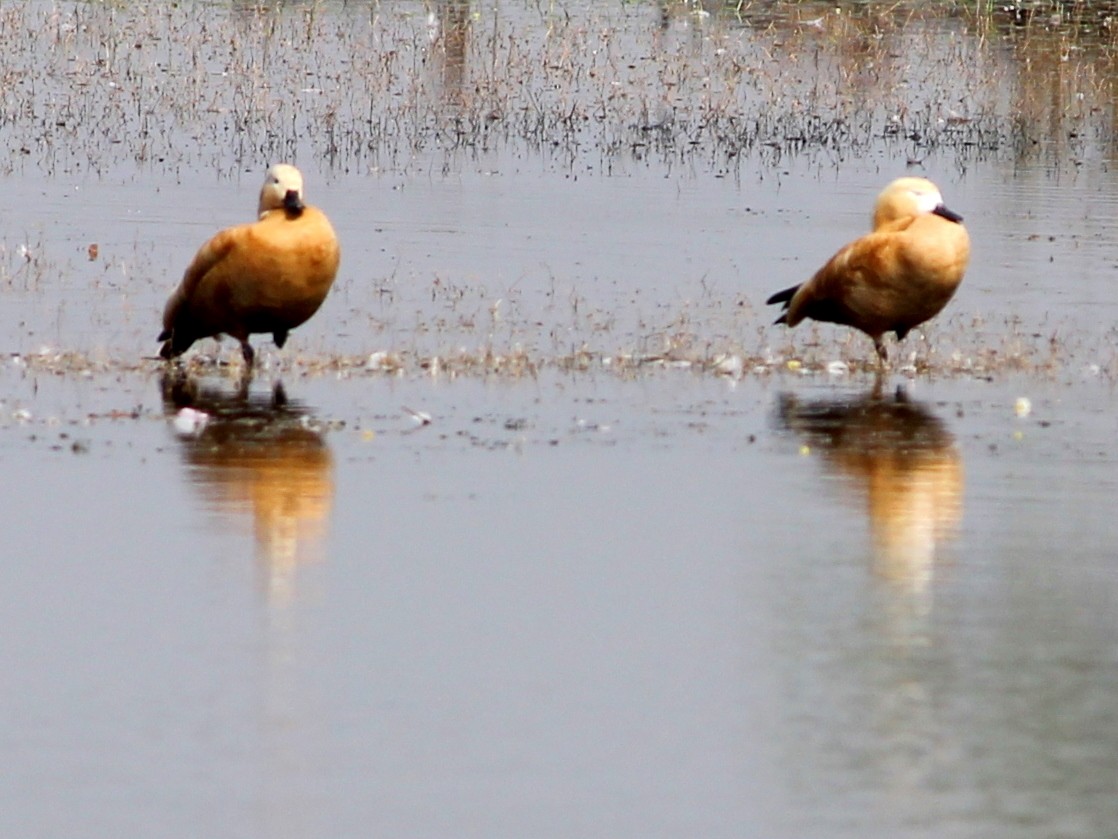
267 276
892 279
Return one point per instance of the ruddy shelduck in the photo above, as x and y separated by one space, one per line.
894 278
267 276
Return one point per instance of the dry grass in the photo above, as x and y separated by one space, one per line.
178 87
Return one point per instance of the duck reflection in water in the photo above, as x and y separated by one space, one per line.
905 460
258 454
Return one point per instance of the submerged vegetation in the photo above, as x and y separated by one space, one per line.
951 349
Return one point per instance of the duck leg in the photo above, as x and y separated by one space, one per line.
882 353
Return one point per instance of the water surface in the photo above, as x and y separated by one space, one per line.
492 548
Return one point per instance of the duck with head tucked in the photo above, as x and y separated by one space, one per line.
267 276
894 278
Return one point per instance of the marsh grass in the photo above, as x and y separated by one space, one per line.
178 87
715 89
959 347
21 265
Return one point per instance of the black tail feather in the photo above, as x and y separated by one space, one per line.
783 296
175 343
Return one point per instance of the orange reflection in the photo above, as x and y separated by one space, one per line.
905 461
257 454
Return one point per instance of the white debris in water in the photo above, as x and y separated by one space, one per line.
378 361
909 367
311 424
729 364
189 422
420 418
22 415
1023 406
838 368
585 425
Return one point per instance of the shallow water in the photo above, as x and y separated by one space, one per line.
669 606
538 569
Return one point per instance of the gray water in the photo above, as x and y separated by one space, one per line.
626 596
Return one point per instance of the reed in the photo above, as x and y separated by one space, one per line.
175 87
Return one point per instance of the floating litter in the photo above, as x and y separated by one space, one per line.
838 368
189 422
418 417
1022 407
